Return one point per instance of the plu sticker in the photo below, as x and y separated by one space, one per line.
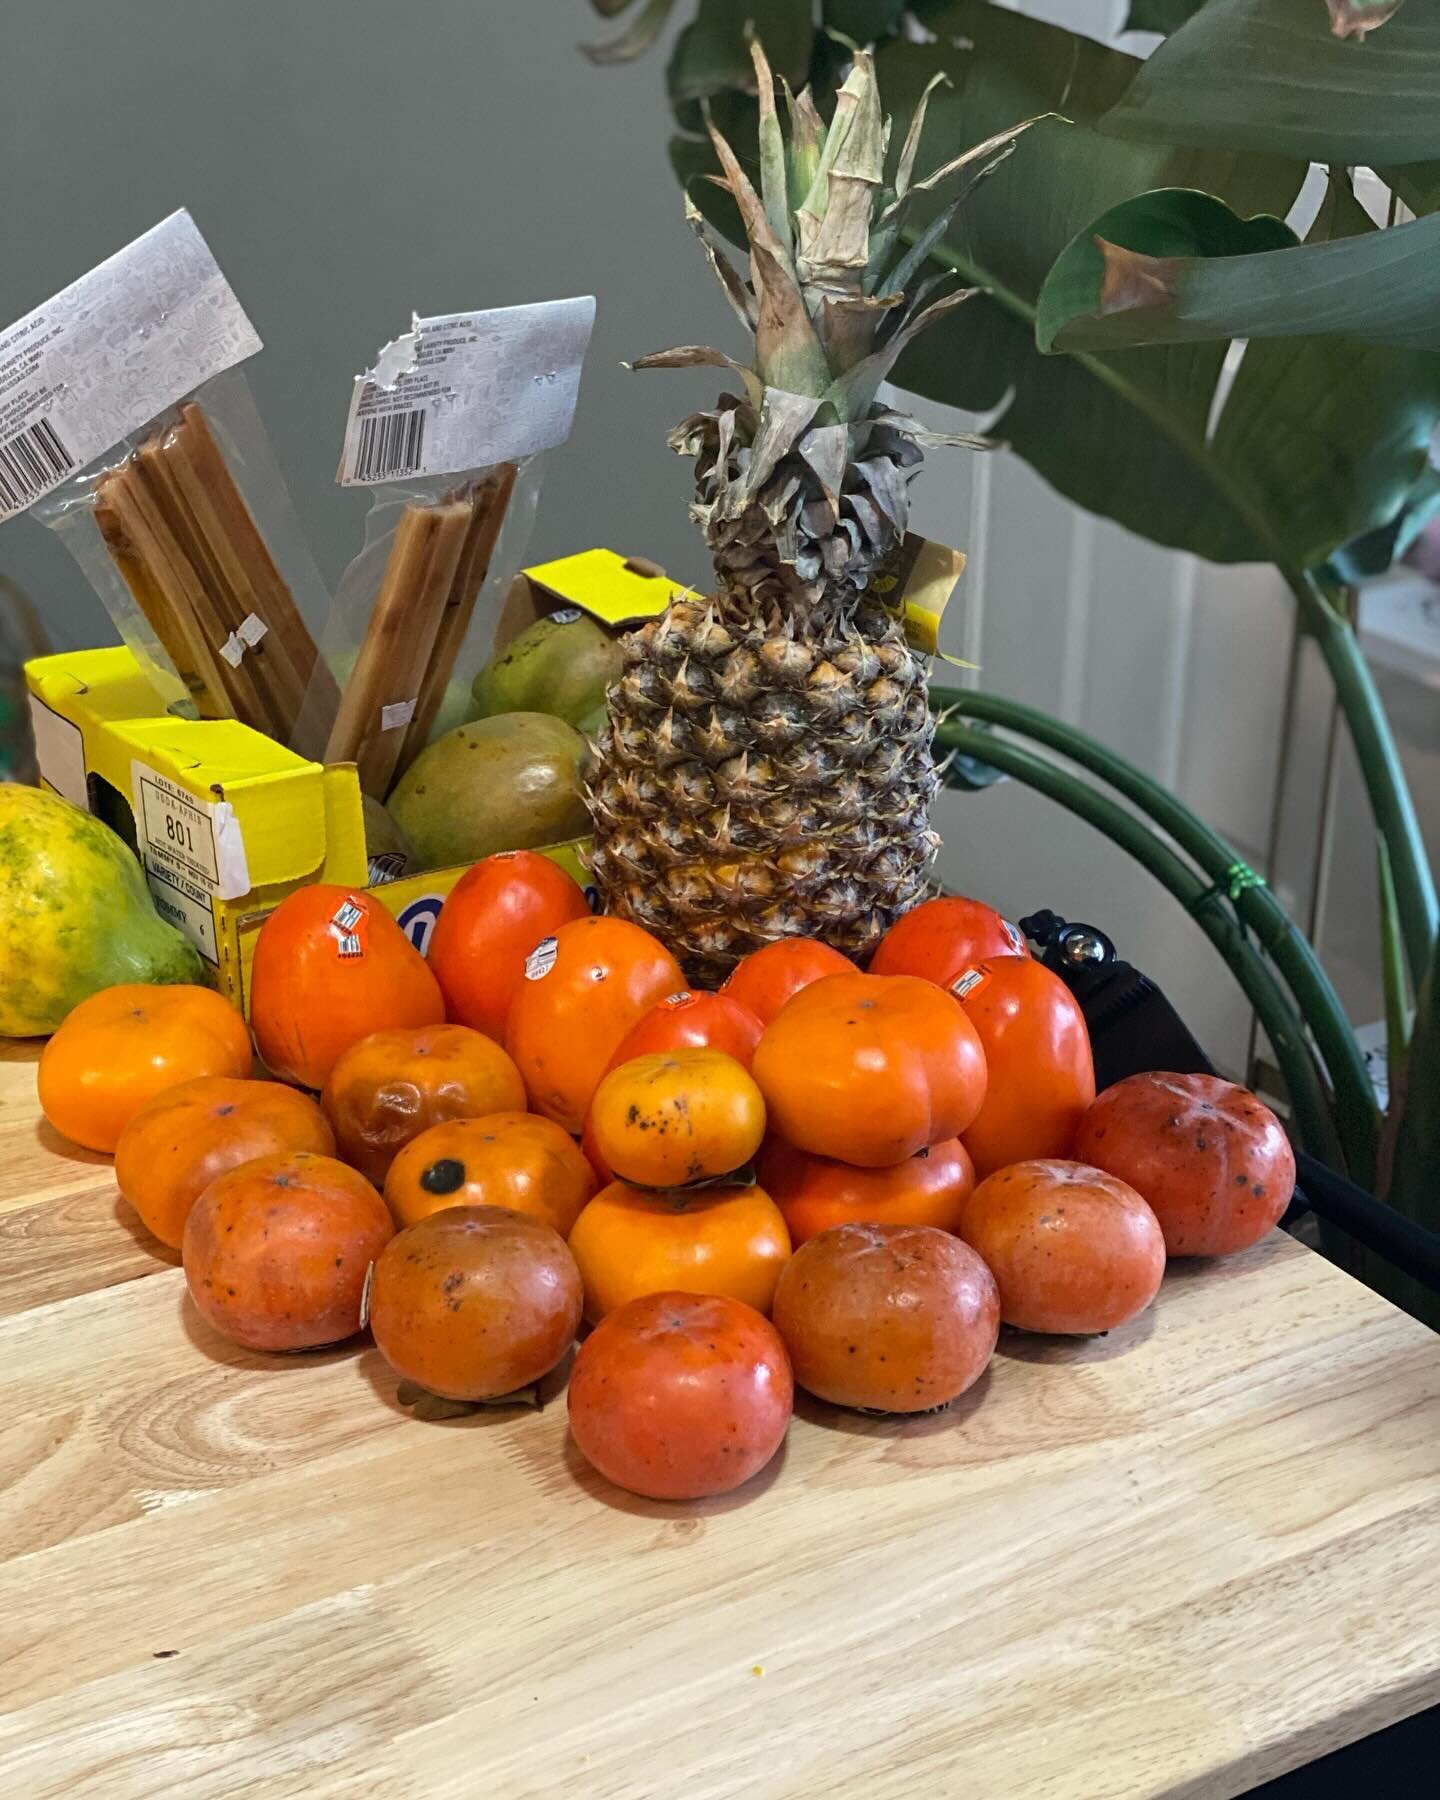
348 927
567 615
541 959
1016 937
970 982
683 998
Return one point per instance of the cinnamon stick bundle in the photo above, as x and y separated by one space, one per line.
177 527
439 557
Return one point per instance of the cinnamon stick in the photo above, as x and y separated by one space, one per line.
488 505
174 587
399 641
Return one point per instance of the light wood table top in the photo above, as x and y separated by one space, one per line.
1176 1561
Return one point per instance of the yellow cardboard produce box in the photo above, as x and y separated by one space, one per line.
226 821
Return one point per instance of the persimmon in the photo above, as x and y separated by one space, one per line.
768 977
120 1048
677 1396
1212 1161
677 1116
475 1301
716 1240
512 1159
387 1089
604 1174
1072 1249
941 938
277 1251
331 966
582 991
895 1318
1037 1053
693 1021
868 1069
491 920
175 1146
816 1192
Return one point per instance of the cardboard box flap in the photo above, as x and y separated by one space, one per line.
616 590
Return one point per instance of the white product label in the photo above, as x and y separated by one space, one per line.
60 753
399 713
104 358
196 845
541 959
1015 936
181 904
465 390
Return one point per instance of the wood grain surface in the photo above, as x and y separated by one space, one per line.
1175 1561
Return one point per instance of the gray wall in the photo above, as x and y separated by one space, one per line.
349 161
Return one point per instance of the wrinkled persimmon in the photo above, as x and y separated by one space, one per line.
388 1088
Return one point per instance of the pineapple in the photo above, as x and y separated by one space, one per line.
767 770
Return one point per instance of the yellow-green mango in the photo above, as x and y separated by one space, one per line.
562 664
75 914
510 783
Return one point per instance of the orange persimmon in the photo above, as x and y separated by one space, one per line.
277 1252
331 966
512 1159
717 1240
1037 1052
871 1068
677 1116
770 976
492 919
183 1139
120 1048
583 989
1072 1249
816 1192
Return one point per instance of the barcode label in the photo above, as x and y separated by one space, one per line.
388 445
31 463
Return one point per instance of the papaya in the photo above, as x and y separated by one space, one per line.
75 915
562 664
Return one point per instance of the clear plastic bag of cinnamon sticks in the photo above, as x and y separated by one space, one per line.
142 448
449 430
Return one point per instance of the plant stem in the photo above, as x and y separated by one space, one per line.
1282 1024
1380 768
1356 1115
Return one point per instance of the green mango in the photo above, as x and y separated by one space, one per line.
509 783
75 915
562 664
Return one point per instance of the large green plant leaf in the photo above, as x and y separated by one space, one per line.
1319 439
1271 75
712 54
862 21
1177 265
1163 16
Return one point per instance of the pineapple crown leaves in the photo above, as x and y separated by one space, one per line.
832 299
829 299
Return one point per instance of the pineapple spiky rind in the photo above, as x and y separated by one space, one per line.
767 769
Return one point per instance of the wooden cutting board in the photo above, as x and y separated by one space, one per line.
1174 1561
